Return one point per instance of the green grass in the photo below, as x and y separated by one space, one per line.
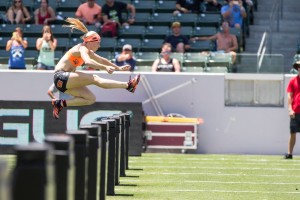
209 177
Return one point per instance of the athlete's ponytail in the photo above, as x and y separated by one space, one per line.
76 24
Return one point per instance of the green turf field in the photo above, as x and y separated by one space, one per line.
209 177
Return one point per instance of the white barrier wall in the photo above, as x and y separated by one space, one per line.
236 130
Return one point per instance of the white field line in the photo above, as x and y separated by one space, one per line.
219 191
280 159
215 182
217 163
216 168
213 174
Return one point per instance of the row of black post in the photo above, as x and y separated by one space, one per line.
83 164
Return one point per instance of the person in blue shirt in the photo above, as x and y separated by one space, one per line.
126 57
16 47
234 13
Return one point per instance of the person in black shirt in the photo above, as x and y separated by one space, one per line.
180 43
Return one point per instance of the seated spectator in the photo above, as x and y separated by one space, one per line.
180 43
46 46
212 6
18 14
166 63
187 6
89 13
226 42
112 12
44 14
16 46
126 57
234 13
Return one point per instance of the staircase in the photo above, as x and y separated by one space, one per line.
285 40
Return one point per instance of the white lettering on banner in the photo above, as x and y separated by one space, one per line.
37 127
38 123
22 132
72 119
21 128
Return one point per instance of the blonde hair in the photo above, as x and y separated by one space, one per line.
77 24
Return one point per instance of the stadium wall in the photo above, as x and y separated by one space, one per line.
226 130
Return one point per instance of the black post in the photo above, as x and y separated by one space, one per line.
111 156
122 146
93 160
81 144
4 180
127 135
103 165
117 156
63 151
31 174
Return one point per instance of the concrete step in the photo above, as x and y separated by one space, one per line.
290 29
286 15
284 23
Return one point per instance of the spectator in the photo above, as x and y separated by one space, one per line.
166 63
226 42
46 45
60 95
44 14
16 46
180 43
89 13
211 6
126 57
187 6
293 96
18 14
112 12
234 13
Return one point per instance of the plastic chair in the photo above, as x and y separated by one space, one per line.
186 19
132 32
108 44
201 45
134 42
146 58
143 5
68 5
220 60
209 20
166 6
151 45
156 32
204 31
187 31
195 60
142 18
161 19
192 69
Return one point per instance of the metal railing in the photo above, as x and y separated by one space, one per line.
267 38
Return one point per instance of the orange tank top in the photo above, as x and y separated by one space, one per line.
76 61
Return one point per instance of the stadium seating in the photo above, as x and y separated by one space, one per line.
134 42
146 58
133 31
156 32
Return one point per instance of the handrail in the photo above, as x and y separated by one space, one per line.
276 14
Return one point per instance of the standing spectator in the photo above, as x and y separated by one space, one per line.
89 13
16 46
44 14
180 43
234 13
126 57
293 97
112 12
18 14
166 63
226 42
46 45
187 6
